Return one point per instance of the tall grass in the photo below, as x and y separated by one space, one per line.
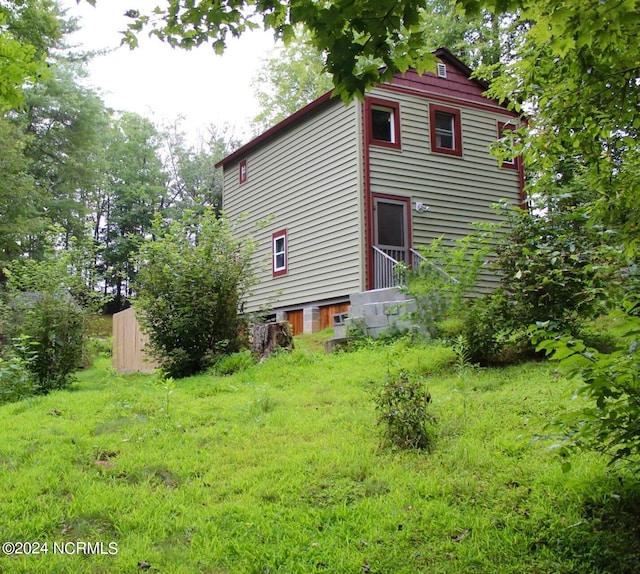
282 468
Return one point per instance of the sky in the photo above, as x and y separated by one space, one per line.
163 83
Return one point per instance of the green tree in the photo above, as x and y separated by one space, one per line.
136 184
66 122
289 78
576 73
192 283
484 41
20 214
28 30
365 42
193 182
294 74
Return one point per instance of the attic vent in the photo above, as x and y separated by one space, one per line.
442 70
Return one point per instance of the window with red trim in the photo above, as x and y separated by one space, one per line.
279 253
445 130
383 122
242 171
505 130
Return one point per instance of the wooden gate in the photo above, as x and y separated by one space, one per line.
129 343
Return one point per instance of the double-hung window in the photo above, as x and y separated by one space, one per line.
279 253
445 130
445 134
242 171
383 121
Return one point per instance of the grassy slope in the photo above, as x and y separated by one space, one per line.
280 469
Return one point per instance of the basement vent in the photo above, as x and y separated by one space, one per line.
340 318
442 70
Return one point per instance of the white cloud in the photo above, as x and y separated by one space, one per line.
163 83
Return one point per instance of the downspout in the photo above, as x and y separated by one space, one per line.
361 177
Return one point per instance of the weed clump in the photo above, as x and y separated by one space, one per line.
404 403
234 363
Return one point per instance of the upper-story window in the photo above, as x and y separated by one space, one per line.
242 171
279 253
383 122
505 130
445 130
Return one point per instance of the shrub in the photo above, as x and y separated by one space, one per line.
451 328
17 382
482 330
96 347
56 341
191 286
403 404
610 423
555 267
446 277
41 313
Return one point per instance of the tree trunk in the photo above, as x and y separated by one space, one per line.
268 337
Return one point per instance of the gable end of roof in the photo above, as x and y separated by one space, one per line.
441 53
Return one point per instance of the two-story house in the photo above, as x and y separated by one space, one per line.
347 190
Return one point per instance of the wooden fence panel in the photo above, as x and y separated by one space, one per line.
129 343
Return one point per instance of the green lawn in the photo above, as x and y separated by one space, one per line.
280 468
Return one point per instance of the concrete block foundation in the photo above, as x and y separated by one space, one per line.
311 319
375 312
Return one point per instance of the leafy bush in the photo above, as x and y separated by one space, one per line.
555 267
610 423
55 340
450 328
403 404
17 382
448 275
482 330
191 286
40 312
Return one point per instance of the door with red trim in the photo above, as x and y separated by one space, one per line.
391 237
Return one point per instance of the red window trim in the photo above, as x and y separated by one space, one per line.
369 103
457 130
282 271
242 173
515 163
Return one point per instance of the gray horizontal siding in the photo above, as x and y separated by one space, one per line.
458 190
306 180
